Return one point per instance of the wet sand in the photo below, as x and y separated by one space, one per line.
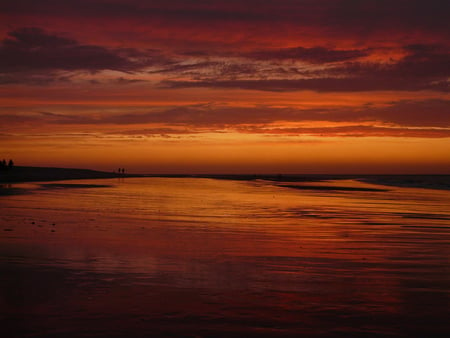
42 174
194 257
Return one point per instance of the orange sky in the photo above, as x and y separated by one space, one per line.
325 86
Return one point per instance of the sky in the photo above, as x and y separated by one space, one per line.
184 86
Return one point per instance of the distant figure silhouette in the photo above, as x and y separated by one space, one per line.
6 165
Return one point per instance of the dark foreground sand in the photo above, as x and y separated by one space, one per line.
223 258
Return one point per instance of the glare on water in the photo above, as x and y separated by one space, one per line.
193 256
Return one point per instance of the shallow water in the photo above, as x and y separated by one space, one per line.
193 257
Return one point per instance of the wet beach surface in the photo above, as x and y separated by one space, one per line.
196 257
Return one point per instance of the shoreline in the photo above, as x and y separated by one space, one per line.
22 174
188 253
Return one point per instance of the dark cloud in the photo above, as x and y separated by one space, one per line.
350 131
337 16
425 61
183 68
312 55
425 67
35 79
32 37
158 131
232 70
140 9
35 50
125 81
330 84
427 113
387 15
422 62
31 55
433 112
197 115
338 131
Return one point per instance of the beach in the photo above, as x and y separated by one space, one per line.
36 174
191 256
33 174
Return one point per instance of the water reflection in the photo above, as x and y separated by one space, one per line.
214 257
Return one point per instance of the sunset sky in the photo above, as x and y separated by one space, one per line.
236 86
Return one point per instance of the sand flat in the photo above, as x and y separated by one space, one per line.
206 257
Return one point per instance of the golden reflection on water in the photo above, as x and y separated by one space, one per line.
243 257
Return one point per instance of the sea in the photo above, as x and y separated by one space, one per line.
225 257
